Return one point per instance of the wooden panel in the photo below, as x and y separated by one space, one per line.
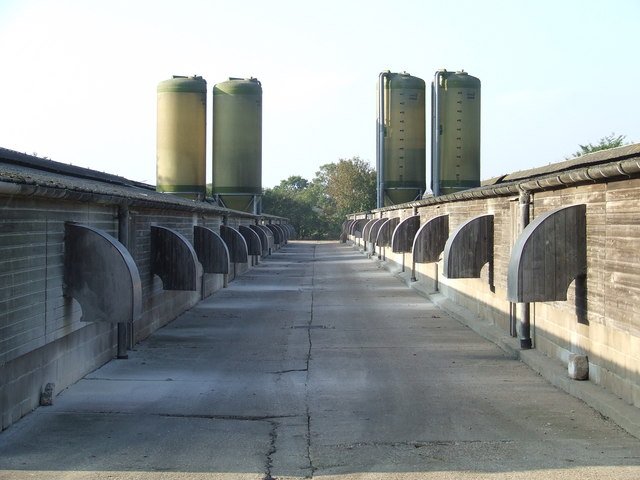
173 259
430 240
404 234
469 248
266 239
254 245
277 234
366 229
268 234
212 252
358 226
101 275
284 234
386 231
375 228
238 252
549 254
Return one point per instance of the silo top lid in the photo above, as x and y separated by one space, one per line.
238 86
194 84
461 80
404 80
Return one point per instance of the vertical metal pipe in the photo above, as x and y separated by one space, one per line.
524 312
435 134
123 238
203 286
513 330
382 79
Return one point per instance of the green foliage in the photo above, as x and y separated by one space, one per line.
610 141
293 184
317 209
293 199
352 183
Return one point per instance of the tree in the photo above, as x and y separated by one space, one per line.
342 188
352 185
610 141
285 200
293 184
317 208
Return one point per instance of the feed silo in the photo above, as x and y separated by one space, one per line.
401 144
455 132
181 144
237 144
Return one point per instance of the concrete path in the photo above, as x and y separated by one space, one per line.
316 364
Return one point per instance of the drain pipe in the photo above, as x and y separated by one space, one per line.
524 201
123 238
413 264
225 221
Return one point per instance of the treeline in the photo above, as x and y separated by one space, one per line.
317 208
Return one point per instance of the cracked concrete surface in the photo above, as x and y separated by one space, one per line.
316 364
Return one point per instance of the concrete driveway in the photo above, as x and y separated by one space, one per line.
316 364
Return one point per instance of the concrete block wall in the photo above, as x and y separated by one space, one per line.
42 339
599 320
32 243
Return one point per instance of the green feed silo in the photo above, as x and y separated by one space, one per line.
237 144
455 132
181 137
401 144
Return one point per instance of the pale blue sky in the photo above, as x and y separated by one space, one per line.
79 78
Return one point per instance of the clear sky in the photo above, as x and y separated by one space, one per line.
78 77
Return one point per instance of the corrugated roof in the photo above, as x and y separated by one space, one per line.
589 160
43 174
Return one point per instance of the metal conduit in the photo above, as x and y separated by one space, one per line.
523 310
123 238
